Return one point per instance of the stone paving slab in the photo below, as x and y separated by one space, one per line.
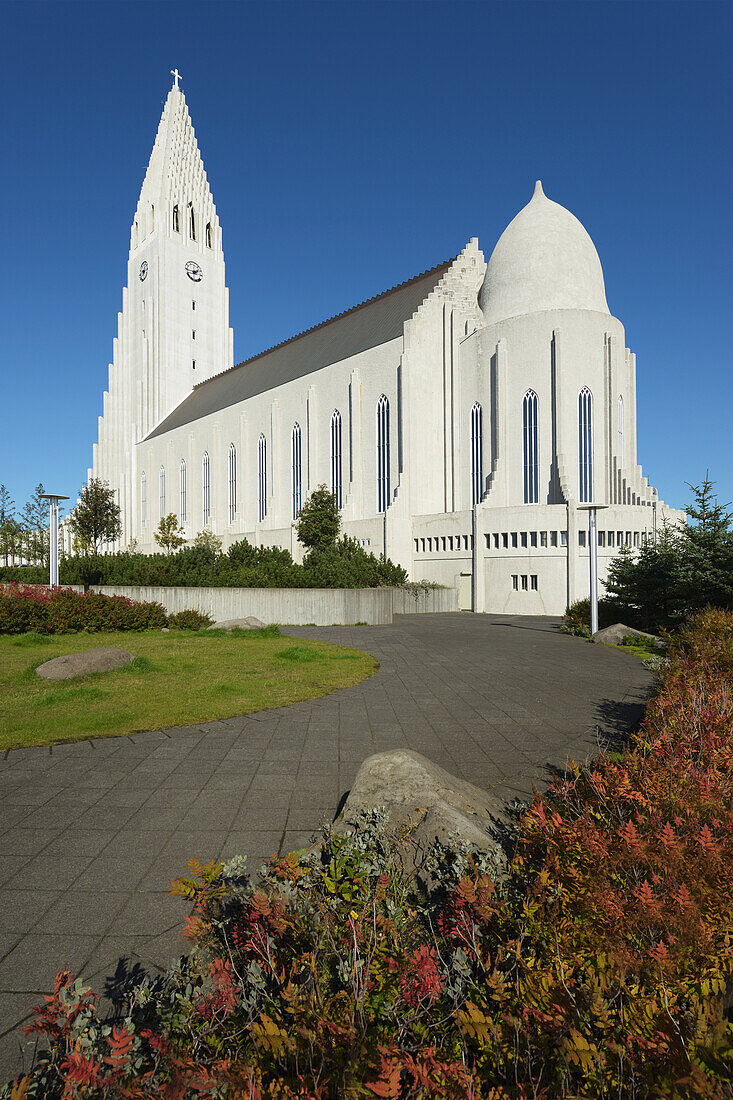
91 833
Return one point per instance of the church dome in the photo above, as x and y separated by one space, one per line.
544 259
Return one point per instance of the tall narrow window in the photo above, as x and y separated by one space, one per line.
297 483
182 487
531 441
585 446
262 477
191 222
336 457
620 427
232 482
477 453
176 223
208 234
383 457
206 489
162 491
143 499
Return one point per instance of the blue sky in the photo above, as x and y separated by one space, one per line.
350 146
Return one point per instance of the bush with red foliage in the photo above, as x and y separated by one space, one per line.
62 611
599 968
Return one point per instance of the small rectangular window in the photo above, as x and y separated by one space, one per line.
505 541
533 538
443 542
553 538
515 581
628 538
417 546
636 538
563 538
430 546
193 333
514 540
422 545
193 364
619 538
524 539
581 538
488 541
496 542
465 542
611 538
533 582
543 538
524 582
193 305
601 538
450 542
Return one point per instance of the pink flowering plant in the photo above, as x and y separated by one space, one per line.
47 610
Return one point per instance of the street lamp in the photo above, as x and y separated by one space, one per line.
592 510
53 510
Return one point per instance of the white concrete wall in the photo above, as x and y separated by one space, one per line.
290 606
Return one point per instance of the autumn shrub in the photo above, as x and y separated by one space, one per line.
189 619
597 967
25 608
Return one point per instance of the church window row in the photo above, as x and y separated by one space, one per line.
528 582
443 544
616 538
525 540
176 223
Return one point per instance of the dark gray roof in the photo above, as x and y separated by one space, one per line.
365 326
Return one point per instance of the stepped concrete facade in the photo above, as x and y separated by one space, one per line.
464 419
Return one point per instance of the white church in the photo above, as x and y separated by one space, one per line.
464 419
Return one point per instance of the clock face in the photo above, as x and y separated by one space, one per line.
143 271
194 271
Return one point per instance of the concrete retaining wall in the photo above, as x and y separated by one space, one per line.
291 606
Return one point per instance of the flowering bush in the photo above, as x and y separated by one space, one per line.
598 968
62 610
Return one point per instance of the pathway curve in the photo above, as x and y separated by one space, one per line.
91 833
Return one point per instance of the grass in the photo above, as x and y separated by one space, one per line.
175 679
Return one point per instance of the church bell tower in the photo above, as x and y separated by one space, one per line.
173 331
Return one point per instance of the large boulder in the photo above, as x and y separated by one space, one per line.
614 635
436 805
249 622
81 664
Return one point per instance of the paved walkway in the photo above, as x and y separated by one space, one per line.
91 833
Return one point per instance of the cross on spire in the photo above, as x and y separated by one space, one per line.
176 76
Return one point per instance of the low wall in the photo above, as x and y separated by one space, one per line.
291 606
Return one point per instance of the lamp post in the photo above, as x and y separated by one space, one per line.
592 510
53 535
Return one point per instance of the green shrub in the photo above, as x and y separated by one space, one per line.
597 967
189 620
577 617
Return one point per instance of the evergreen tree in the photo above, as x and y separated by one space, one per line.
34 524
8 524
96 518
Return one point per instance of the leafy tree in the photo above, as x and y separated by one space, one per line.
207 540
8 524
34 523
170 534
319 522
96 518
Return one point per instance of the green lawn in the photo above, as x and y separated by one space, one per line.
176 679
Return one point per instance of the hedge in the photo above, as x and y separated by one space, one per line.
598 968
61 611
345 565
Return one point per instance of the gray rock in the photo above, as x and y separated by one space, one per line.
437 805
249 622
614 635
81 664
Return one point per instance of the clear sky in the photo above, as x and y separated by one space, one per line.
350 146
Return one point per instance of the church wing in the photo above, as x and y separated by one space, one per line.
365 326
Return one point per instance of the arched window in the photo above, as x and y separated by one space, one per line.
297 482
208 235
176 224
182 508
262 477
143 499
477 453
206 489
620 427
191 222
232 482
383 462
585 446
336 457
530 435
162 491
